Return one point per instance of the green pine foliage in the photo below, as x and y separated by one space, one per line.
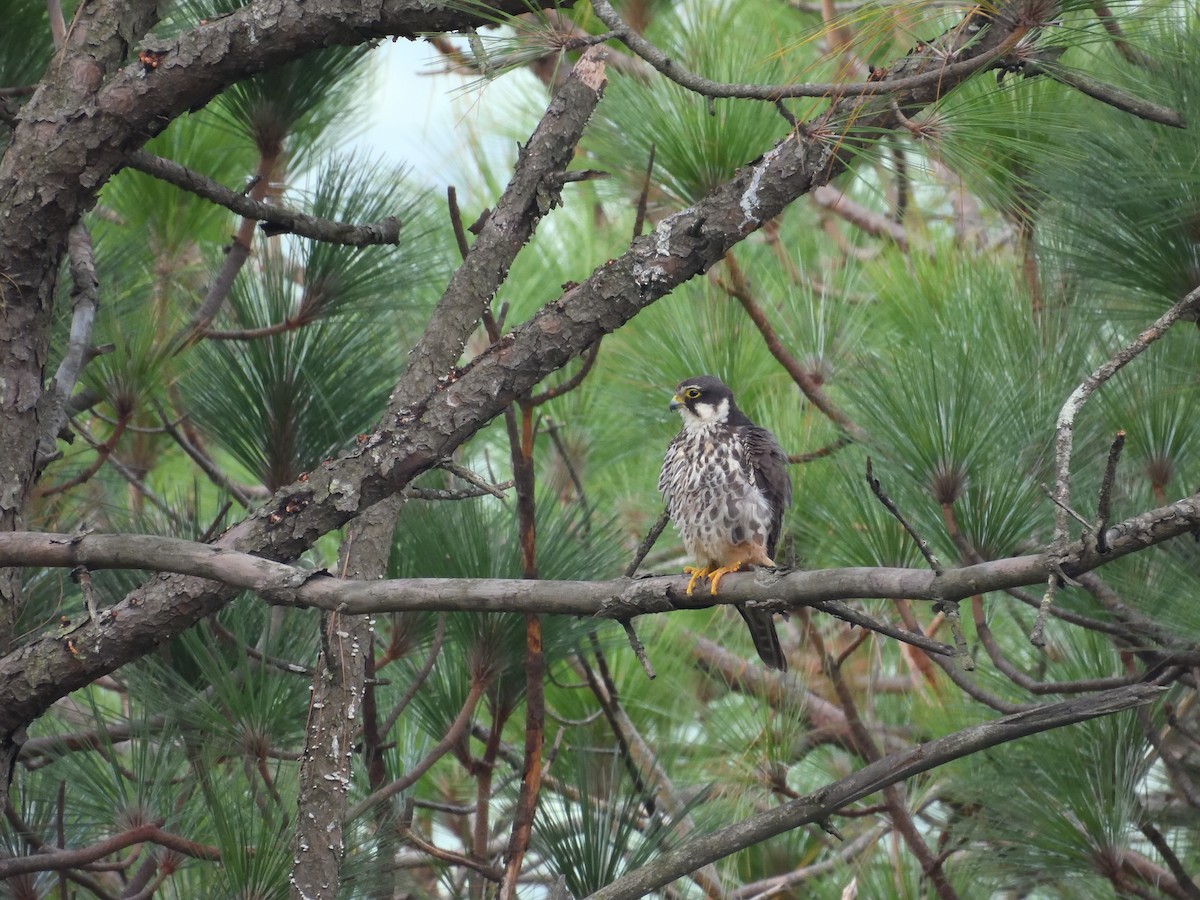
1044 232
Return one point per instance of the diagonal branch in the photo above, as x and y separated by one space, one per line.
739 288
531 193
281 220
1107 94
889 770
424 423
85 301
1065 430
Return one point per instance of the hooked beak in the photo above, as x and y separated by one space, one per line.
675 403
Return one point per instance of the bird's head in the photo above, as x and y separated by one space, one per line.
703 400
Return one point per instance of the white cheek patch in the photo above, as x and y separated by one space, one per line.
707 413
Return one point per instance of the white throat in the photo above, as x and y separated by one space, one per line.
705 415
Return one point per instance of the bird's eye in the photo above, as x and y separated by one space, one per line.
692 393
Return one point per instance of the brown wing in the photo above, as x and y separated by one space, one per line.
769 465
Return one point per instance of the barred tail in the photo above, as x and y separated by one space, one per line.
766 639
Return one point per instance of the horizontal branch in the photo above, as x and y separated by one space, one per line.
671 68
71 859
419 428
279 218
283 584
889 770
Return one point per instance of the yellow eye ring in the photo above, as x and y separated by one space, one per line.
691 393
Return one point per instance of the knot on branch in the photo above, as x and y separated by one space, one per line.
639 596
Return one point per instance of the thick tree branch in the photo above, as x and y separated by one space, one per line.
283 584
85 300
530 194
889 770
415 434
334 716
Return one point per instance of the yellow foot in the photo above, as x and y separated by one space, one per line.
697 573
717 574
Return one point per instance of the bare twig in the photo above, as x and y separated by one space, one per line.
423 493
639 649
739 289
1186 884
456 222
1104 503
452 736
491 873
431 657
551 429
138 484
589 360
961 653
470 477
207 466
1045 489
1019 678
1109 21
648 541
1065 432
1107 94
1037 635
881 495
779 885
821 453
639 221
103 451
671 68
280 219
69 859
283 665
873 223
840 610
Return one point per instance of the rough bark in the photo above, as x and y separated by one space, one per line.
283 584
335 713
420 428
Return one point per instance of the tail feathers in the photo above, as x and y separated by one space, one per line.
766 639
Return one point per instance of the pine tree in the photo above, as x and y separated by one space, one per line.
321 490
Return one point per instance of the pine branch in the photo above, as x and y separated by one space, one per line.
889 770
287 585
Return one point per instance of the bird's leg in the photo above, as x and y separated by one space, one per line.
697 573
751 553
717 574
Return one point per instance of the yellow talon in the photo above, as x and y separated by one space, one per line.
697 573
717 574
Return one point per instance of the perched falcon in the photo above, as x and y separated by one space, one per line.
726 484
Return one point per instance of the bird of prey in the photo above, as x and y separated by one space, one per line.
726 484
